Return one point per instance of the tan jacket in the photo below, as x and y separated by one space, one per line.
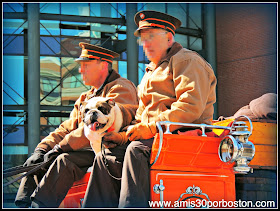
71 131
180 89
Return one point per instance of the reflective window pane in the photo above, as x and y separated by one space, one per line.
50 8
81 9
13 7
72 85
13 134
15 45
155 6
14 26
75 29
13 36
195 16
195 43
123 68
50 77
49 46
141 71
50 28
13 80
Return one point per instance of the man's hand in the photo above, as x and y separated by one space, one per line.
36 157
112 139
52 154
141 131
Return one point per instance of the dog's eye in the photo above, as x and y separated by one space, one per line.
104 110
86 110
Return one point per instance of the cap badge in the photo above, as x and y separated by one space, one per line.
142 16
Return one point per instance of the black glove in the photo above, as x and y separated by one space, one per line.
36 157
52 154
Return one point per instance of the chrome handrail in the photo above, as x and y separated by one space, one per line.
158 124
245 132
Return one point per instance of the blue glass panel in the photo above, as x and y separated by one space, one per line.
123 68
13 41
48 27
53 8
14 45
178 10
81 9
49 45
75 32
124 55
14 151
141 56
122 9
141 6
106 10
115 13
156 6
13 134
13 94
195 43
11 120
13 80
13 7
182 39
121 36
195 16
13 26
95 9
93 32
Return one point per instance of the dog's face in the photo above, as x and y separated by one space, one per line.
98 113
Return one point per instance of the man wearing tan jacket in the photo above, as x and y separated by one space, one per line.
178 86
68 142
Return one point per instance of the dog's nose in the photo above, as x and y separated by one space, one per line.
93 116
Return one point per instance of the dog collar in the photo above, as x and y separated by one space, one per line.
112 128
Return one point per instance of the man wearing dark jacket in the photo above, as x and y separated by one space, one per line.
68 142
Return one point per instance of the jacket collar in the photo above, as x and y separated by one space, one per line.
175 48
113 75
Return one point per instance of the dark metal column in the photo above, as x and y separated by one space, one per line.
210 42
132 46
33 81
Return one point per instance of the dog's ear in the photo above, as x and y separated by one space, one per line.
111 102
82 109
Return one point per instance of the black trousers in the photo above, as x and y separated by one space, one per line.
56 181
131 163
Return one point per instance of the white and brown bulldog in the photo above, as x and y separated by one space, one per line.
100 115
